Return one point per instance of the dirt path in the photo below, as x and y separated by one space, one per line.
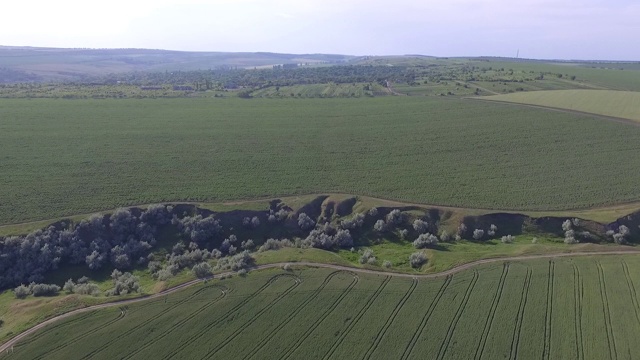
9 344
567 111
391 90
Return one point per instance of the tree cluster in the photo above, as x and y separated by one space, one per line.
120 239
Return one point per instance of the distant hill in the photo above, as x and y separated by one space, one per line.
32 64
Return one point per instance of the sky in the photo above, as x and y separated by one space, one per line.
540 29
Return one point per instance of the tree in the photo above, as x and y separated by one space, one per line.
367 257
425 240
255 222
420 226
492 230
305 222
478 234
202 270
417 259
394 217
69 286
380 226
22 292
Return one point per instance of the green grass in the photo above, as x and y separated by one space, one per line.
525 310
64 158
622 104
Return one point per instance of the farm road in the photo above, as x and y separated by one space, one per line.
9 344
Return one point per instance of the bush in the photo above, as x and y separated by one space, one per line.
305 222
22 292
478 234
44 289
492 230
123 283
247 245
395 217
286 267
508 239
380 226
425 240
417 259
367 257
386 264
420 226
202 270
355 222
373 212
444 236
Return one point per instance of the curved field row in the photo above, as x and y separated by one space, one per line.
254 351
145 299
515 342
458 303
178 325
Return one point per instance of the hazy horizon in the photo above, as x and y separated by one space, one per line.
537 29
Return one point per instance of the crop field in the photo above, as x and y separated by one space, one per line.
581 308
67 157
622 104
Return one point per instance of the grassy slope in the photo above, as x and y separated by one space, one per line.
527 308
622 104
94 155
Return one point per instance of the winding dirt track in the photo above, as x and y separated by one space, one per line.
9 344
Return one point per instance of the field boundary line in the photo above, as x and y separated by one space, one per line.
423 323
295 312
229 313
549 313
390 319
445 273
173 328
557 109
444 346
492 312
292 348
613 352
515 341
254 318
336 344
632 290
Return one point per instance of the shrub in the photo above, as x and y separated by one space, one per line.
22 292
508 239
478 234
367 257
255 222
123 283
44 289
386 264
492 230
534 240
380 226
242 272
305 222
286 267
425 240
355 222
202 270
247 245
444 236
417 259
394 217
373 212
420 226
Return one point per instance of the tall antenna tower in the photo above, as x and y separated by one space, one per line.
518 54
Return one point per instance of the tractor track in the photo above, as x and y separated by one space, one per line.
12 342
